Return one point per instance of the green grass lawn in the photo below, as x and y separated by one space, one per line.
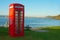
53 34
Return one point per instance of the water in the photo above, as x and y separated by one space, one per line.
35 22
41 22
3 20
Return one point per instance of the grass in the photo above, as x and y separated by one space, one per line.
53 34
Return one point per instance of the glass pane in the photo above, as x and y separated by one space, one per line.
21 12
21 17
16 14
16 11
21 20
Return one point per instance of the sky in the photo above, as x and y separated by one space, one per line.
33 8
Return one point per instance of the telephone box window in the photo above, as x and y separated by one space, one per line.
21 12
16 11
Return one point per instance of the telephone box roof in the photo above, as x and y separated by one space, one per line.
16 4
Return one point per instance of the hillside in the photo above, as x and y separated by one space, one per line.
54 17
3 16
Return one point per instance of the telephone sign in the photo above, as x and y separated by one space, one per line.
18 7
16 19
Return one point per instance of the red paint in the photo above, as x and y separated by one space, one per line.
16 20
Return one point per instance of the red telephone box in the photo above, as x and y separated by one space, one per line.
16 20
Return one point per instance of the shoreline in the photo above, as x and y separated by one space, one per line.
49 27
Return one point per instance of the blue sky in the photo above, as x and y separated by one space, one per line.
33 8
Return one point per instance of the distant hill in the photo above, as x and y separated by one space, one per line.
3 16
54 17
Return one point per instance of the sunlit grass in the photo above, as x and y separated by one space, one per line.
53 34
